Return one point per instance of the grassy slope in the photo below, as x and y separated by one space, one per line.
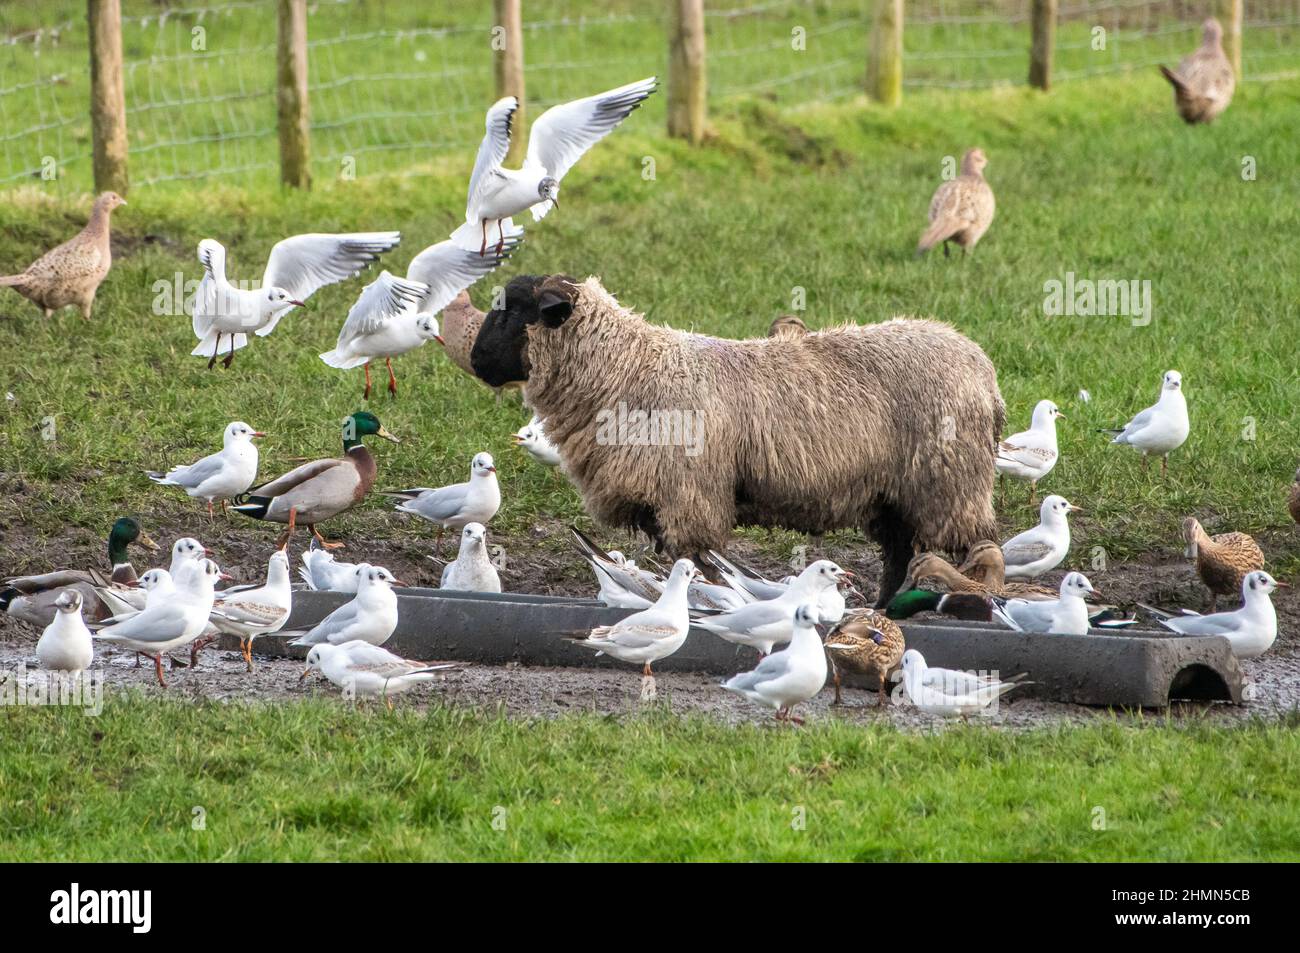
316 781
1099 179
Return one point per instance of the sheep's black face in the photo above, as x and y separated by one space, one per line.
499 355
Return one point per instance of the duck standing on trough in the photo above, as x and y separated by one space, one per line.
316 491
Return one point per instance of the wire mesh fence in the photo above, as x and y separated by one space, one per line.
396 84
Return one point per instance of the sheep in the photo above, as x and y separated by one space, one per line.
890 428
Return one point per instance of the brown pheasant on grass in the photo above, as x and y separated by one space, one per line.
460 322
1222 561
71 273
962 209
865 642
1204 81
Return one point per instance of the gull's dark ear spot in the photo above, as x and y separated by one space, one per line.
555 300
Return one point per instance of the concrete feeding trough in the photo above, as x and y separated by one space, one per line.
1129 669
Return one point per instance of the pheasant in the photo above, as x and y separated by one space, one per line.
1204 81
71 273
1222 561
460 323
868 643
962 209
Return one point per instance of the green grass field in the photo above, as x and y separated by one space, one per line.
1099 178
317 781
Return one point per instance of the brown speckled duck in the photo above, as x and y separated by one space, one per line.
867 643
1222 561
315 491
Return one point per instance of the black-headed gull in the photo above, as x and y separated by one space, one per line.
793 675
249 611
622 584
652 634
170 623
1067 615
65 645
297 268
394 315
371 616
949 693
557 140
1035 551
321 571
1163 427
122 600
451 507
472 569
1031 454
366 670
1250 630
532 439
761 625
219 476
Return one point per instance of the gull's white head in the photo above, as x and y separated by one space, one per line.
238 431
275 300
472 535
913 663
1258 584
1172 381
823 574
526 436
806 616
1046 412
199 576
1076 584
427 329
187 549
69 601
377 576
482 465
278 565
155 579
683 569
1055 509
318 654
549 190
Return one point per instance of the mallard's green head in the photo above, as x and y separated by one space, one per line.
363 424
909 603
125 532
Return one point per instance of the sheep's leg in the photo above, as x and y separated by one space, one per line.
895 536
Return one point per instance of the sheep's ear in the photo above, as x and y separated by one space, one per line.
555 302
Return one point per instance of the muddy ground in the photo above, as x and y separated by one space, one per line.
539 562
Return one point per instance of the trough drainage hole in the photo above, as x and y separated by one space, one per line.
1199 683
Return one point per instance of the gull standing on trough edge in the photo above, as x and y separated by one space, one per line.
1031 454
1250 630
297 268
249 611
367 669
320 571
793 675
651 634
170 623
1035 551
557 140
394 315
1162 428
949 693
622 584
471 570
371 616
454 506
1067 615
761 625
219 476
65 645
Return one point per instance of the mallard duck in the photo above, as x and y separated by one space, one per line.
315 491
1293 500
1222 561
32 598
935 585
868 643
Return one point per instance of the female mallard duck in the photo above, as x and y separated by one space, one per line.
31 598
1222 561
867 643
315 491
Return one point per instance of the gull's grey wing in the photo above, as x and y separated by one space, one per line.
334 624
194 474
379 302
440 504
304 264
491 152
1026 552
748 618
447 270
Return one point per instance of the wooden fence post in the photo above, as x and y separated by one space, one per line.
508 61
291 95
107 99
1230 12
885 65
686 80
1042 19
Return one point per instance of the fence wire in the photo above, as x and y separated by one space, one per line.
398 85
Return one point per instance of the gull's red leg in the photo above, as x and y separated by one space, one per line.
392 378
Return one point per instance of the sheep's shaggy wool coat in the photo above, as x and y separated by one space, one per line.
890 428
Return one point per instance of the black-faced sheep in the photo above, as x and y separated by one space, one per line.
889 428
